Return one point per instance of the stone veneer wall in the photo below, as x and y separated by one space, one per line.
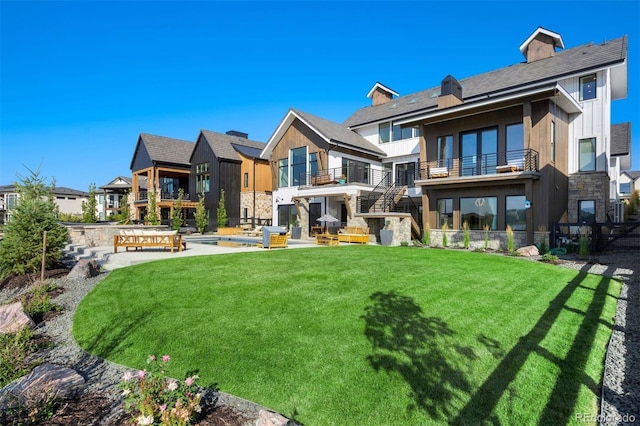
588 186
497 240
102 235
263 204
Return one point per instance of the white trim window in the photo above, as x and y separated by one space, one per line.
588 86
388 132
587 155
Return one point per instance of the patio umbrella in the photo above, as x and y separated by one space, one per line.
326 218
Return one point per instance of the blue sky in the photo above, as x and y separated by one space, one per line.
81 79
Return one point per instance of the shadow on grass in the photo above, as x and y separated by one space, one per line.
564 396
420 349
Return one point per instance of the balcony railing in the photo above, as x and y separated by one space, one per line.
164 196
340 176
522 160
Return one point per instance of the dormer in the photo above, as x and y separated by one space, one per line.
541 45
380 94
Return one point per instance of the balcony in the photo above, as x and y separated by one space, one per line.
518 161
340 176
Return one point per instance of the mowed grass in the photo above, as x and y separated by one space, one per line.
367 334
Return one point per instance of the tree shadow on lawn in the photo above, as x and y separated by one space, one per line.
564 395
418 348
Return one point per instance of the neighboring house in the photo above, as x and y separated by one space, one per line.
160 168
230 162
629 182
620 157
109 197
69 201
525 146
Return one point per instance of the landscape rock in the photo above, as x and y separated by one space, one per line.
528 251
13 318
85 268
269 418
44 383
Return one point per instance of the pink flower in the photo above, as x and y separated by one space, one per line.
163 407
127 376
166 358
152 358
142 374
189 381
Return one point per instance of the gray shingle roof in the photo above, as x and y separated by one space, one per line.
222 145
621 139
58 190
338 133
564 63
167 150
635 174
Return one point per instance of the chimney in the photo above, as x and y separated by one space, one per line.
380 94
450 93
541 45
238 134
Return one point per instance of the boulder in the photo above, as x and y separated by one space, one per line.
85 268
528 251
44 383
269 418
13 318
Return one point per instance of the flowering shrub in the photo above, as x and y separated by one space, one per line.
154 399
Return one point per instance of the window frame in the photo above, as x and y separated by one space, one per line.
448 202
473 226
584 89
520 225
581 167
580 209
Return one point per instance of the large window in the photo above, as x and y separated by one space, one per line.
587 155
283 173
588 87
516 212
478 212
388 132
405 174
479 152
586 211
299 165
356 171
203 179
445 212
515 142
444 153
287 215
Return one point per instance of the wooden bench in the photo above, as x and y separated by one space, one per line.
511 166
438 172
276 241
354 234
322 179
140 239
327 240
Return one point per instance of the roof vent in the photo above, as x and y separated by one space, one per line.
450 93
238 134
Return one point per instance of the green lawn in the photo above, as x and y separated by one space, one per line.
367 334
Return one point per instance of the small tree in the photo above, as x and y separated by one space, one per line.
445 241
510 242
202 215
176 216
222 212
124 215
90 206
466 234
151 218
34 213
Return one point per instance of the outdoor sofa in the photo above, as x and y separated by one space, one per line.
354 234
138 239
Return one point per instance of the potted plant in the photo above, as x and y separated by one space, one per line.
386 235
296 231
342 180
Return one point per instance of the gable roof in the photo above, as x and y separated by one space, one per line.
332 133
227 146
565 63
119 182
162 149
633 174
620 139
557 39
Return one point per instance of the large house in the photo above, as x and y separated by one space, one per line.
523 146
163 166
